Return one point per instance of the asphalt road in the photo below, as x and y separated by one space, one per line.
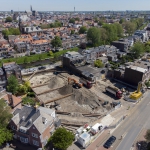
133 124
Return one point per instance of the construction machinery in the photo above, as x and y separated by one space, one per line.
115 91
86 83
137 94
76 84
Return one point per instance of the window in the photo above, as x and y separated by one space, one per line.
24 140
34 135
23 131
13 127
35 143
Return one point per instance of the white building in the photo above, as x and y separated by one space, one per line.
84 139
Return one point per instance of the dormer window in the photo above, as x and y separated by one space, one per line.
44 120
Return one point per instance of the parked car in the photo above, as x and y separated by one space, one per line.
41 67
109 142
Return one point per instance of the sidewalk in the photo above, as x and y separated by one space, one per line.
139 138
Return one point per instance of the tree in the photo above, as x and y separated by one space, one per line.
28 101
119 30
111 30
10 31
93 35
137 49
82 30
12 84
147 135
5 116
121 21
130 27
5 135
62 138
77 19
56 42
8 19
72 20
72 32
104 36
98 63
51 54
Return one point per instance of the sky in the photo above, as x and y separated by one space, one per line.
68 5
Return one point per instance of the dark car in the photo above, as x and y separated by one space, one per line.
109 142
42 68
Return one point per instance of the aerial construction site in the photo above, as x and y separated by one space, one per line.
75 104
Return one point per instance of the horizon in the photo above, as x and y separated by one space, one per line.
80 5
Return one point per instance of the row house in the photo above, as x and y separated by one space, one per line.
33 126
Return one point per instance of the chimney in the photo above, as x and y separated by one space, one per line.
10 98
36 107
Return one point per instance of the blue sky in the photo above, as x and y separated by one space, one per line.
68 5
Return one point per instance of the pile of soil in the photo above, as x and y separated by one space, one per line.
67 89
56 82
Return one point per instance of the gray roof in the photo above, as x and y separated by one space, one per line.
27 116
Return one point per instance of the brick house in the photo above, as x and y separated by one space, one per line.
13 101
33 126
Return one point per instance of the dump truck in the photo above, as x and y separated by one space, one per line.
116 92
86 83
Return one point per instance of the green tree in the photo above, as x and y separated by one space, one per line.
28 101
93 35
8 19
5 135
98 63
56 42
5 116
82 30
104 36
12 84
72 20
147 135
111 32
72 32
119 30
101 22
130 27
121 21
10 31
62 138
77 19
26 60
51 54
137 49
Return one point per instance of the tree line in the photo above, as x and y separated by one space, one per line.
104 35
56 24
10 31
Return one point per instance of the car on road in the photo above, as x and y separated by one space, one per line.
109 142
41 68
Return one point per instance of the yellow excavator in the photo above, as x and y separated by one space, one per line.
137 94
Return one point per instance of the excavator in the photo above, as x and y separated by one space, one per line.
76 84
137 94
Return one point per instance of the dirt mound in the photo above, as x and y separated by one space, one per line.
56 82
67 89
84 96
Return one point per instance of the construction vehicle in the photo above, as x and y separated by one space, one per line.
115 91
137 94
76 84
86 83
